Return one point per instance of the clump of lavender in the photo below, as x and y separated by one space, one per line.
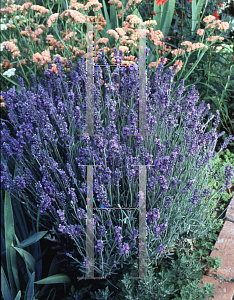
51 148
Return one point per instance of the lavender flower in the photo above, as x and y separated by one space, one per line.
161 249
49 143
101 231
124 249
99 246
229 174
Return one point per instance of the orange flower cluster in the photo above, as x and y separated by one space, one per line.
215 38
102 22
42 58
52 19
21 62
209 19
41 9
76 51
200 32
179 64
113 32
131 2
154 64
102 41
6 64
68 35
186 43
223 26
93 3
10 45
117 3
34 34
133 19
77 16
75 5
178 51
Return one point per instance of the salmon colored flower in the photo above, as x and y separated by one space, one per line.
39 8
52 18
214 38
223 26
200 32
178 51
75 5
186 43
179 65
208 19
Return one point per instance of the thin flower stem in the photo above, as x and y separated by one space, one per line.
148 7
182 17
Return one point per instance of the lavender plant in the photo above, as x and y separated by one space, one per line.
52 149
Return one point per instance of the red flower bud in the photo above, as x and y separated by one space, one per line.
220 4
216 15
154 13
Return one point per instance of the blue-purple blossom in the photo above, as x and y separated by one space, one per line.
228 175
153 215
109 223
49 143
195 197
101 230
124 249
134 234
161 249
99 246
118 237
81 213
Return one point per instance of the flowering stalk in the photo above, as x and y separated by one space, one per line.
49 126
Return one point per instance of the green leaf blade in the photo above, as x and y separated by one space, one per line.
58 278
5 288
33 239
31 262
29 294
9 238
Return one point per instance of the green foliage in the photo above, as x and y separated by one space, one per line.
223 159
77 295
102 294
179 276
21 276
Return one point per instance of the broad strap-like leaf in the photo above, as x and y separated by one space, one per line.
167 16
164 16
196 10
29 293
108 25
9 238
33 239
18 296
5 288
58 278
31 262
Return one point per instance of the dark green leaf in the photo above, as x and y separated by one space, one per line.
29 294
33 239
31 263
18 296
6 292
9 238
59 278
